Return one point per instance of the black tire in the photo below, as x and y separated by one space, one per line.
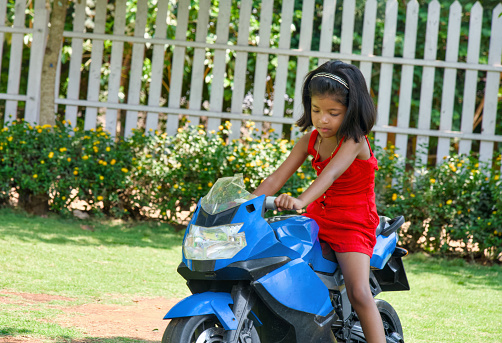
189 329
391 322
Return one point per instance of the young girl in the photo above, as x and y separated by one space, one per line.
342 198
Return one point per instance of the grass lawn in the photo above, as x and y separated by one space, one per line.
450 301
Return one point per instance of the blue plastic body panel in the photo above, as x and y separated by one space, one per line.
206 303
297 286
260 239
383 250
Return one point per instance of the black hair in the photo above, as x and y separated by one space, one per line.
361 113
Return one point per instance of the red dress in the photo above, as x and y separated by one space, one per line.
346 212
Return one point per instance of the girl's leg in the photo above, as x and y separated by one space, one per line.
356 272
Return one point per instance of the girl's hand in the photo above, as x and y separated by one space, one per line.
287 202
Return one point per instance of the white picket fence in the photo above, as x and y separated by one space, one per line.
172 109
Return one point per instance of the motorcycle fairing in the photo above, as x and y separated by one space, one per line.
383 250
309 293
206 303
263 243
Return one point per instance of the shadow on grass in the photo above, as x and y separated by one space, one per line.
459 271
8 331
56 230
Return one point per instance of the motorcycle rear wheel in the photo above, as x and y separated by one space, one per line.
204 329
391 322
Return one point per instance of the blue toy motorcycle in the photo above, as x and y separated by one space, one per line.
270 280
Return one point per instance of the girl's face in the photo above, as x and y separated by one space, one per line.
327 115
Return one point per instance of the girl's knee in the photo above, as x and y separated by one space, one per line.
360 296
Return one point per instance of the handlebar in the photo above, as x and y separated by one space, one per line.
270 204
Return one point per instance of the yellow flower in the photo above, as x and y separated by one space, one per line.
124 170
101 177
99 198
9 139
95 148
394 197
210 184
175 186
75 172
42 162
299 190
51 155
39 130
159 187
69 159
35 176
448 202
85 157
107 148
220 127
231 158
105 163
496 177
63 198
412 195
476 165
62 149
433 180
112 162
289 193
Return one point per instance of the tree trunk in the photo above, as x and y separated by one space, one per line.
49 67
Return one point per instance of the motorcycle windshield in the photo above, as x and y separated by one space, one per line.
226 193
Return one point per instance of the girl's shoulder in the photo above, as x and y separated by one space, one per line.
307 141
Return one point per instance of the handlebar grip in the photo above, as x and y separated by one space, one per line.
270 204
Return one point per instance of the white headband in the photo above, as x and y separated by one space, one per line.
333 77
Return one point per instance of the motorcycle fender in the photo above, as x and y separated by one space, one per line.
206 303
296 285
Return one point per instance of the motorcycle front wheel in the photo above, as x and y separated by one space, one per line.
205 329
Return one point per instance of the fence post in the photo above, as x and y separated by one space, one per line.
449 80
115 69
75 62
241 60
37 50
405 95
471 76
16 57
177 67
492 87
427 87
386 69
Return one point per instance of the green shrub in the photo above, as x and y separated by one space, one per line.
171 174
59 165
453 208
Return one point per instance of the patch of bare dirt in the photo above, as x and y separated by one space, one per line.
140 320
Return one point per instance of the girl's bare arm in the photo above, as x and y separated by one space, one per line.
336 167
277 179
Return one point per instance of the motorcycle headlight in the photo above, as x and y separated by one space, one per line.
213 243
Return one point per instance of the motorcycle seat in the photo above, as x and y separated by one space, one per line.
388 226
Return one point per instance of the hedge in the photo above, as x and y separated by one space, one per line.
451 209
